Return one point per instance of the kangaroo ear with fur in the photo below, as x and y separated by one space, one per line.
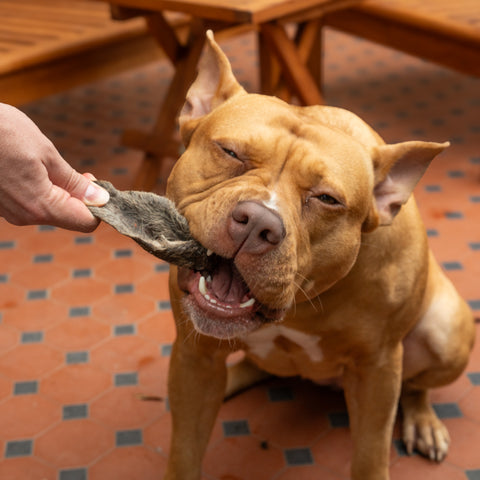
398 168
215 83
155 224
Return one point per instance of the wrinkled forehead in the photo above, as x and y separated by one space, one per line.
268 126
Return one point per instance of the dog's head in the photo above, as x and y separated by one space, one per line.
280 194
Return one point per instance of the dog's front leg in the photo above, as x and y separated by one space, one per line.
197 380
372 390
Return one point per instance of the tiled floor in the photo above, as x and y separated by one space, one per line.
85 321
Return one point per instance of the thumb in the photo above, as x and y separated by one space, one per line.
94 194
82 187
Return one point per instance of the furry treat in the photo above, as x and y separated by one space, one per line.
155 224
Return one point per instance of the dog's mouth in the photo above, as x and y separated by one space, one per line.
220 303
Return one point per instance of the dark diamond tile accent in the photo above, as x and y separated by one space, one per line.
452 266
280 394
473 474
124 253
125 288
7 245
166 350
431 232
19 448
37 294
75 412
298 456
73 474
79 312
474 378
236 428
162 267
126 379
82 273
338 419
46 228
126 438
399 446
474 245
433 188
32 337
25 388
43 258
73 358
454 215
84 240
456 174
3 278
164 305
474 304
475 198
447 410
124 330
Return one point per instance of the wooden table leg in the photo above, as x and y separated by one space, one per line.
294 69
160 142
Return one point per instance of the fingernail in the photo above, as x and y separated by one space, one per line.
96 196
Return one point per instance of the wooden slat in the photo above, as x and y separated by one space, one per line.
443 31
38 31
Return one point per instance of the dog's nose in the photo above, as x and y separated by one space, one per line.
255 229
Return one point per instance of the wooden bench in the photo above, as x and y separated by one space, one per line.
446 32
47 46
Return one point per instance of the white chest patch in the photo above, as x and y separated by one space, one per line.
261 343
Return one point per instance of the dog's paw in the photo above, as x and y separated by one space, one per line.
422 430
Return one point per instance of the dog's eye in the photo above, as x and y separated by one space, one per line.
230 153
328 199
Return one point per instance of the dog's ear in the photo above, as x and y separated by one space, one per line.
397 169
215 83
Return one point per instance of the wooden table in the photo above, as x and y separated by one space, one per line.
290 64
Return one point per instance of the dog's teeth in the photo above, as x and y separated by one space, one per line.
209 253
248 303
202 285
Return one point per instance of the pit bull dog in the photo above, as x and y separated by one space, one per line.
321 269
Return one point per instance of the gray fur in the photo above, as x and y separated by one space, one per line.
155 224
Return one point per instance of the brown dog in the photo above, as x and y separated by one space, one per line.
322 270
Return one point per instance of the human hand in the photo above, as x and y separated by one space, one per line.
37 186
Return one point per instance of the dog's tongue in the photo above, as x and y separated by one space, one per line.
227 284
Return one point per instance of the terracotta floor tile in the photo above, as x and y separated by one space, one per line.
25 416
122 408
309 472
26 469
77 333
8 338
41 276
37 315
28 362
464 433
66 444
157 434
128 463
124 270
124 308
83 255
159 327
73 384
124 353
247 459
81 291
418 467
